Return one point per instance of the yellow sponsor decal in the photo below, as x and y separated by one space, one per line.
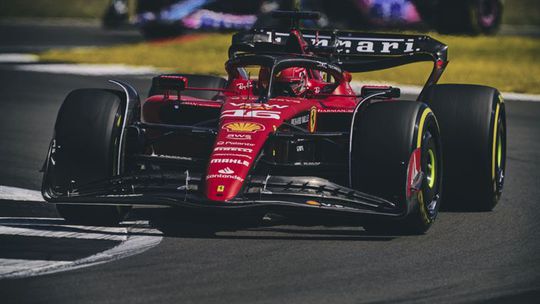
220 188
243 127
312 119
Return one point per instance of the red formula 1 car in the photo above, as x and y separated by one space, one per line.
284 134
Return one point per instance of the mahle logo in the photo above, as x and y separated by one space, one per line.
243 127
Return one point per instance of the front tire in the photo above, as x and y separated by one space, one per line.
84 150
389 139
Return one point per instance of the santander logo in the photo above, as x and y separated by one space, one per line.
226 171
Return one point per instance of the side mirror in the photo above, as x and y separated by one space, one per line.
385 91
169 83
172 83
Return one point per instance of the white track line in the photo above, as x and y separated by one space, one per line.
134 238
88 69
13 266
68 232
18 58
137 238
20 194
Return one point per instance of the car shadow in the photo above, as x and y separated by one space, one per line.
267 232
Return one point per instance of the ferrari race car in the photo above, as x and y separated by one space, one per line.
284 134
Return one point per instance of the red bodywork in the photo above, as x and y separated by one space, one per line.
245 124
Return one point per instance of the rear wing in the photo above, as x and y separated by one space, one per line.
352 51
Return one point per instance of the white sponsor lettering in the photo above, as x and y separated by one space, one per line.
300 120
244 163
386 46
224 176
244 86
259 106
233 149
319 42
227 171
365 47
357 44
239 136
234 143
232 155
409 47
262 114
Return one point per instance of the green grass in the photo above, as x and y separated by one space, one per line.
189 54
507 63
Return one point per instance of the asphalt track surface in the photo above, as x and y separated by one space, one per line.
28 36
465 257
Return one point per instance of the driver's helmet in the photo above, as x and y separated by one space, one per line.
293 81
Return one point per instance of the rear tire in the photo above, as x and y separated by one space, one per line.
468 16
85 148
386 136
473 128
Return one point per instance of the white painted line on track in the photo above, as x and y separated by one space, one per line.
132 237
16 266
20 194
137 239
65 231
88 69
18 58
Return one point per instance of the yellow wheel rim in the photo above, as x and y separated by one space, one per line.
431 168
499 151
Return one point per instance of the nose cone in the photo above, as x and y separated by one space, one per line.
243 130
237 146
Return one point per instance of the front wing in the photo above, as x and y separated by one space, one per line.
171 189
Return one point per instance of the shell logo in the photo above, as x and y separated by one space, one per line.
243 127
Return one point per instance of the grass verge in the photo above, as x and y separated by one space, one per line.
508 63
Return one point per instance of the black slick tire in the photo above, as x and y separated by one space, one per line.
473 130
468 16
386 135
86 143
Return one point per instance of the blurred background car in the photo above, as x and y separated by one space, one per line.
159 18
